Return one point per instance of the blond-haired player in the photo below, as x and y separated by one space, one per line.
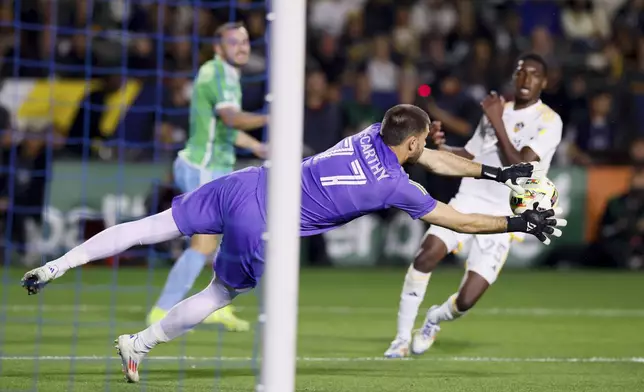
216 125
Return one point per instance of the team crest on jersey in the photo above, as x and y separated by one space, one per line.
518 126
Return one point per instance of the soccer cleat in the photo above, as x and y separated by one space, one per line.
227 318
36 279
399 349
425 337
130 357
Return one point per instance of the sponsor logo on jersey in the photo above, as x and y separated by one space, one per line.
518 126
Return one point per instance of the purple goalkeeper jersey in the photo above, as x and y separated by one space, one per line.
359 175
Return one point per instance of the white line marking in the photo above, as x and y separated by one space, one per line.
344 359
533 312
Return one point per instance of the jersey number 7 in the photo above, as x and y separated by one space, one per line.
343 149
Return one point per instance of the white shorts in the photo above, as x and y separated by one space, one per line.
487 252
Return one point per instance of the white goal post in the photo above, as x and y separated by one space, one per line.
287 24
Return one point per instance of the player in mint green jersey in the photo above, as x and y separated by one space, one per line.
216 125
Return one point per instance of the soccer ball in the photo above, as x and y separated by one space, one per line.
540 190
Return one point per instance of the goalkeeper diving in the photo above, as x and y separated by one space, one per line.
361 174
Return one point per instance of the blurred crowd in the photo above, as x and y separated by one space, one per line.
376 53
363 56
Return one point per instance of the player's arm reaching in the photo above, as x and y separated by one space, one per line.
538 223
448 164
445 163
414 199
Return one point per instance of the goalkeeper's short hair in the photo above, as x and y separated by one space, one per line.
402 121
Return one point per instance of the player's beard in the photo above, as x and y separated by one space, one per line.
412 159
239 64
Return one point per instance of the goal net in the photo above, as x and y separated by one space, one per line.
94 105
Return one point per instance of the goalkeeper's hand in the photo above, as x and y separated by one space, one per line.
510 175
540 224
36 279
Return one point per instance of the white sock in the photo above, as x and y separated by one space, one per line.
185 315
411 297
446 312
116 239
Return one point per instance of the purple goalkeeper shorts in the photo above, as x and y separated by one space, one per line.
232 205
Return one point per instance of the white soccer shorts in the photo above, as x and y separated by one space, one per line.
487 252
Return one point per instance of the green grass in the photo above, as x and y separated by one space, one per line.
525 335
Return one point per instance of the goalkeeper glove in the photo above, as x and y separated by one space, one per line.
540 224
510 174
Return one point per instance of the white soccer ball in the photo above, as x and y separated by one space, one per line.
540 190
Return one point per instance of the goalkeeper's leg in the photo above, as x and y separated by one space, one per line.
238 269
179 320
116 239
182 277
183 274
188 267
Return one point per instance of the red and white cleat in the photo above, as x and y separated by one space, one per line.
130 357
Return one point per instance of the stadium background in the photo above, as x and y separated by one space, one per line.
94 98
79 147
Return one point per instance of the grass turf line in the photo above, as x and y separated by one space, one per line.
501 350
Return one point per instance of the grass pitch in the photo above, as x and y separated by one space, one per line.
533 331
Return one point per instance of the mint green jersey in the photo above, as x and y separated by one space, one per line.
211 143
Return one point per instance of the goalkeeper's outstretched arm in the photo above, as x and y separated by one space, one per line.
116 239
541 224
448 164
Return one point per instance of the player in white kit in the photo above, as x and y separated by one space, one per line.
525 130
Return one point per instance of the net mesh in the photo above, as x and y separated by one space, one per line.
93 108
